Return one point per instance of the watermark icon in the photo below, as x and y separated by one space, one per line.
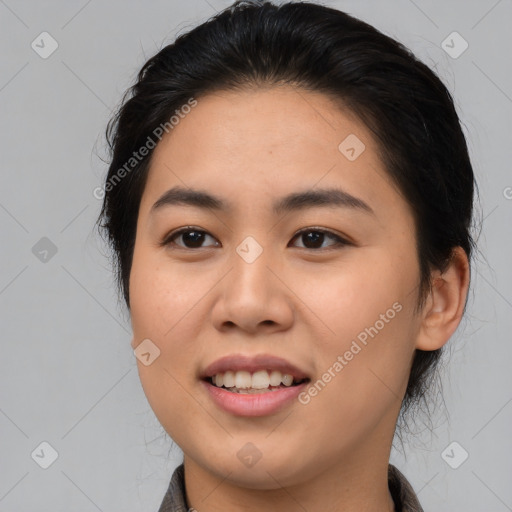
343 360
454 45
351 147
44 45
146 352
44 250
44 455
249 250
144 150
249 455
454 455
507 192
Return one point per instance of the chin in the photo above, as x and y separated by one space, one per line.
268 472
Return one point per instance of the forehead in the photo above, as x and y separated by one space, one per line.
280 119
270 141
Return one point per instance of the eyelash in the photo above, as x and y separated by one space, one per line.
340 242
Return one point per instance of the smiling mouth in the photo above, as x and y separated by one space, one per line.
260 382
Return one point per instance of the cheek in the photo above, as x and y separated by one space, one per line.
159 306
350 296
361 377
159 296
367 312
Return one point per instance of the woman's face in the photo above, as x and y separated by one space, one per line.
242 282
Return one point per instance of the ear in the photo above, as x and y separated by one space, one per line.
444 306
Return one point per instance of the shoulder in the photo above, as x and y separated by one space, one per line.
174 499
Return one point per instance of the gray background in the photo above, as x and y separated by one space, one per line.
67 372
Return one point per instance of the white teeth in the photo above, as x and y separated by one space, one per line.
229 379
287 380
258 380
275 378
243 380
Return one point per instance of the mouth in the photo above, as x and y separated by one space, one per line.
262 381
256 385
240 373
251 402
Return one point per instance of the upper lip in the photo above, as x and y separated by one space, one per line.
240 362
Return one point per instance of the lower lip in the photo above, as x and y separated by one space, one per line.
259 404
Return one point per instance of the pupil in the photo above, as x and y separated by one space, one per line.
316 235
194 240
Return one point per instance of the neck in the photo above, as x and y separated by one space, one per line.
357 482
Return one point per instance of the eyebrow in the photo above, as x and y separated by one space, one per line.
326 197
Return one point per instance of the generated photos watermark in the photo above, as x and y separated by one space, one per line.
144 150
355 348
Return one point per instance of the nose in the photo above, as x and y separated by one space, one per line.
253 297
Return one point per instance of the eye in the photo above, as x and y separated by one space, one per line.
318 237
191 237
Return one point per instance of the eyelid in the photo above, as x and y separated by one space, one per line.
341 240
175 233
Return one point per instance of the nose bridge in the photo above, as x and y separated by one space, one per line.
252 296
250 273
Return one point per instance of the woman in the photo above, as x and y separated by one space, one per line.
289 202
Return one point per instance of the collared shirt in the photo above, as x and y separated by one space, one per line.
401 491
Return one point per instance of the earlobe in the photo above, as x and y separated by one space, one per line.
445 304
